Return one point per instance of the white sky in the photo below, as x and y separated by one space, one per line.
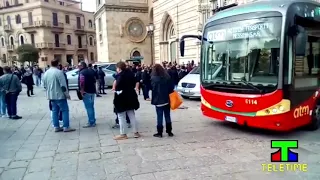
89 5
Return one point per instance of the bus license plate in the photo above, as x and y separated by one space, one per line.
231 119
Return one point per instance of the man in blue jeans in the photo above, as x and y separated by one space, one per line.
57 92
87 88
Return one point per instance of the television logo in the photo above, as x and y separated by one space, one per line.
284 154
284 159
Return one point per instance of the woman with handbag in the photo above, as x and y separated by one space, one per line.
126 100
162 87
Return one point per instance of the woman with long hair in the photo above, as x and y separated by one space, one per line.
126 100
162 86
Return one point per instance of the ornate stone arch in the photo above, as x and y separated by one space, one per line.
167 25
168 39
3 41
134 50
21 39
11 40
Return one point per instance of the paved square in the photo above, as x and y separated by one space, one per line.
200 150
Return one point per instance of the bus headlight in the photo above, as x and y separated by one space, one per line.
279 108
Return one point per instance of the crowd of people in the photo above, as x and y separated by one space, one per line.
161 80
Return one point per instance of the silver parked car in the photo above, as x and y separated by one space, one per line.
108 68
189 86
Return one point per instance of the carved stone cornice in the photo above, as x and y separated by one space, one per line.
118 8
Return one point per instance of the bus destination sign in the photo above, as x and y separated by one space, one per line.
259 30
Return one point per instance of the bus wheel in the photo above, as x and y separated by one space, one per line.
315 119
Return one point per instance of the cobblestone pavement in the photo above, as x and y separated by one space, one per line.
201 149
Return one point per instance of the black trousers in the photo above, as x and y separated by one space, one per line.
101 86
29 90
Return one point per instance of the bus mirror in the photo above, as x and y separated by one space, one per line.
182 44
301 42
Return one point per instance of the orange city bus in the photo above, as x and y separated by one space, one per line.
270 51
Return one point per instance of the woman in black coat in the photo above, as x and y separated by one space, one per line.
162 87
126 100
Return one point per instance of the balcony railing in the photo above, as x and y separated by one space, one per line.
36 24
42 24
58 25
45 45
78 27
59 45
7 27
10 47
82 47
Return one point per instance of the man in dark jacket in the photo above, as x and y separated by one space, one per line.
101 76
146 83
87 88
174 76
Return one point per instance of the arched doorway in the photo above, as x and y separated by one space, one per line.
168 47
136 54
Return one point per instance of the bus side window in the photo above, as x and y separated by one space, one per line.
307 66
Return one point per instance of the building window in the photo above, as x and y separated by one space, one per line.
27 1
99 2
21 39
91 56
4 58
67 19
0 22
11 41
2 42
46 0
99 24
18 19
56 40
32 39
90 24
61 3
8 20
69 39
90 41
16 2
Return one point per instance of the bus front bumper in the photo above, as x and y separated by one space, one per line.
279 122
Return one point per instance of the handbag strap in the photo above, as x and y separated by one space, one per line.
10 82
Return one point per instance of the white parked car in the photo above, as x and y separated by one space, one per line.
189 86
108 68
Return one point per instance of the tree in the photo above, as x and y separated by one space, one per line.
27 53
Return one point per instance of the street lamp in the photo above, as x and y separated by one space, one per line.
150 30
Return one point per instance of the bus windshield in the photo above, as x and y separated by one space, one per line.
248 50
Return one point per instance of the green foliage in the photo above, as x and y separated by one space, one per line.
27 53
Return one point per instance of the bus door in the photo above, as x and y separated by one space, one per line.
305 78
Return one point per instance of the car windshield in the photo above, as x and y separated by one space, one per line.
195 70
249 51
